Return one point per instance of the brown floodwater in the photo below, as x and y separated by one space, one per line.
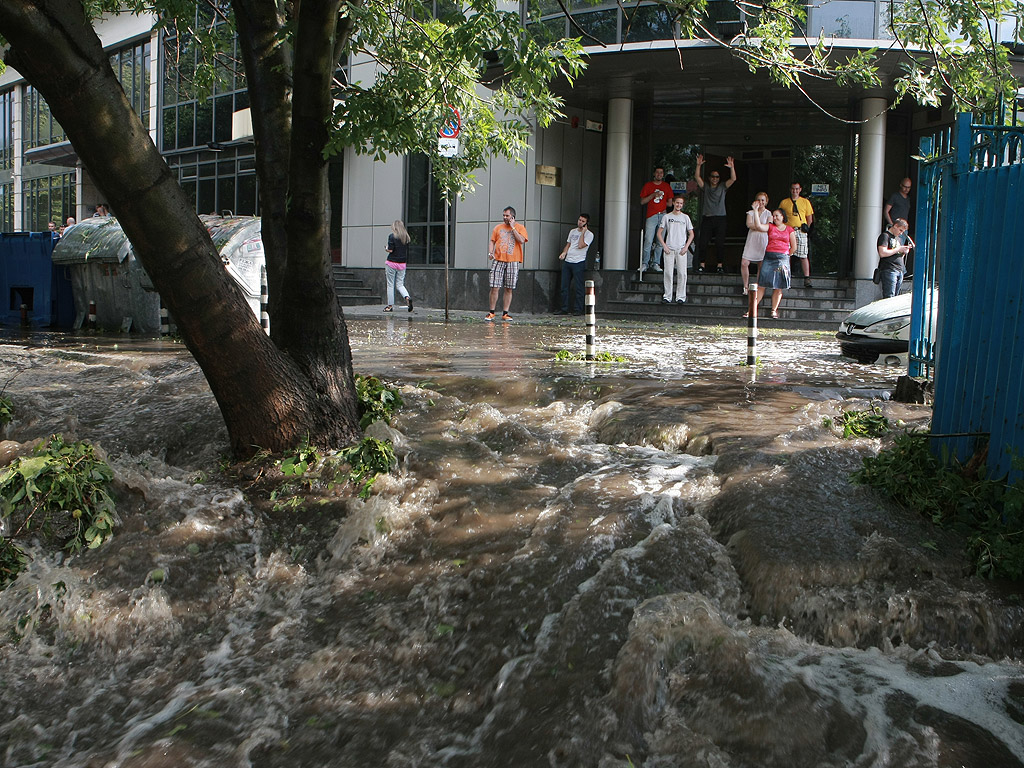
657 562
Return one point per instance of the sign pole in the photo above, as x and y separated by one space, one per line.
447 205
448 146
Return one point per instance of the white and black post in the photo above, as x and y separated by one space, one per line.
264 294
590 301
752 324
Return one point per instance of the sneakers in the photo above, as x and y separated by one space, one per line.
489 316
506 317
408 300
655 268
389 308
680 301
720 269
561 311
808 283
700 268
665 301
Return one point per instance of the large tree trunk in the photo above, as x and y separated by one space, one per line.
267 58
290 95
268 398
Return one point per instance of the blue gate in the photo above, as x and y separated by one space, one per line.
971 200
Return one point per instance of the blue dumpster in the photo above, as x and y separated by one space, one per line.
32 288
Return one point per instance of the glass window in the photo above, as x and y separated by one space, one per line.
649 22
823 164
204 122
7 130
131 66
245 195
222 119
7 207
186 125
550 30
423 199
600 25
50 198
209 110
170 136
226 194
843 18
40 128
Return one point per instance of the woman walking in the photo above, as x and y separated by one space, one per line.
757 241
774 271
394 266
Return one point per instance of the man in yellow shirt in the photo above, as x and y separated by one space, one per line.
800 216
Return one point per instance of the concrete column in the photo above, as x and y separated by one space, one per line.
615 248
18 137
870 194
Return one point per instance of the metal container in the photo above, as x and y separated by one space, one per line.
108 282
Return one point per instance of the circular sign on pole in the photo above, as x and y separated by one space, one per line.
452 127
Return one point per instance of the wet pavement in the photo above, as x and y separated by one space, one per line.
658 562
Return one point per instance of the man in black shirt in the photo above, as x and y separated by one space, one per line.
890 258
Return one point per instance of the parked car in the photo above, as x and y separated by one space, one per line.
880 331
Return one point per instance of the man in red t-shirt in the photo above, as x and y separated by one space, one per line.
656 195
506 253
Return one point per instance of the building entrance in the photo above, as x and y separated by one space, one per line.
820 169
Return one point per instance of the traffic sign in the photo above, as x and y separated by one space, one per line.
452 126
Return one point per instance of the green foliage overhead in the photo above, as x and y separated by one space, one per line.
425 63
988 513
951 46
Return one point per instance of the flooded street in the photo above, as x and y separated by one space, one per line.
660 562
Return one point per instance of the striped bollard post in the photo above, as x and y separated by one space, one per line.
91 318
590 301
165 321
752 324
264 292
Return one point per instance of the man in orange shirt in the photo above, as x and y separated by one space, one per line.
506 255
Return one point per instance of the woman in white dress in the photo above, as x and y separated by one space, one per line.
757 240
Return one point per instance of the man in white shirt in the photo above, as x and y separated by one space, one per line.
675 233
574 261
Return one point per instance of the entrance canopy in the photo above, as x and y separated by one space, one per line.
703 87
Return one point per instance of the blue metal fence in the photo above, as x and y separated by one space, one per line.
977 196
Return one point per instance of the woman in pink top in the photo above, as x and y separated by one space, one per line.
774 272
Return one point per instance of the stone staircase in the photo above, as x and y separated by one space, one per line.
351 290
718 299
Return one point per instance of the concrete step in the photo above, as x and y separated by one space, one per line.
718 298
739 301
351 290
790 317
818 292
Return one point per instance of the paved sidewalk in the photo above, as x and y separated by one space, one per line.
436 314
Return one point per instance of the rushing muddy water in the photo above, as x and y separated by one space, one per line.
654 563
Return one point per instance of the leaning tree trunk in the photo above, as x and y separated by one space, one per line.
266 397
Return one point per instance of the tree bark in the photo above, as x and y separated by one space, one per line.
267 397
267 58
290 94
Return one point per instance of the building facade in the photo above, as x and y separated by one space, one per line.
647 99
